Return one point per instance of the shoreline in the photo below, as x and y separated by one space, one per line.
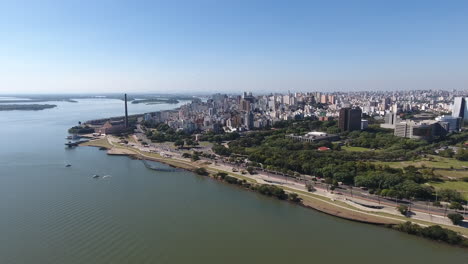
316 204
309 200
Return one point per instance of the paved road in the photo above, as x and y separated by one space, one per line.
350 192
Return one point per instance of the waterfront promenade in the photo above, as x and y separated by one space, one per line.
357 206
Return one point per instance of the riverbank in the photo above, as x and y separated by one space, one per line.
316 201
324 204
321 203
308 200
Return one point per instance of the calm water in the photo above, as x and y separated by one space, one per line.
53 214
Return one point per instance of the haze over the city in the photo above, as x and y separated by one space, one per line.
205 46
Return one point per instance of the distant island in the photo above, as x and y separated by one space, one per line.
39 100
25 107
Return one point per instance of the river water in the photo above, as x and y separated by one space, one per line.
54 214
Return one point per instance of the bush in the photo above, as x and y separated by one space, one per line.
433 232
232 180
222 175
456 218
403 209
293 197
81 130
272 190
201 171
195 157
441 234
456 205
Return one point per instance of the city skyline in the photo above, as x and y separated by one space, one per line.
260 46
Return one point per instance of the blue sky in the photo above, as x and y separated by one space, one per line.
208 46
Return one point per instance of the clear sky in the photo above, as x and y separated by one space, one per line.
232 45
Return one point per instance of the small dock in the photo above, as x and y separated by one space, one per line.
75 144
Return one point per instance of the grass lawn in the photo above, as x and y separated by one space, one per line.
98 143
435 162
356 149
451 173
460 186
205 144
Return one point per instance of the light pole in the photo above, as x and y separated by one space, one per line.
464 209
378 195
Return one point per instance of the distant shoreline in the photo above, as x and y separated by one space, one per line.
26 107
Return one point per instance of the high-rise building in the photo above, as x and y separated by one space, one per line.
460 108
245 105
423 130
453 124
386 103
249 120
350 119
391 118
323 99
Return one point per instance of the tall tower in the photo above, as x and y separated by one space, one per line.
350 119
460 108
126 112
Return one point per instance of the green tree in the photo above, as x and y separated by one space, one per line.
179 143
456 218
195 157
201 171
251 170
222 175
294 197
449 195
456 205
221 150
190 142
403 209
462 154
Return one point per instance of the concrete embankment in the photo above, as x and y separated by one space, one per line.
348 214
